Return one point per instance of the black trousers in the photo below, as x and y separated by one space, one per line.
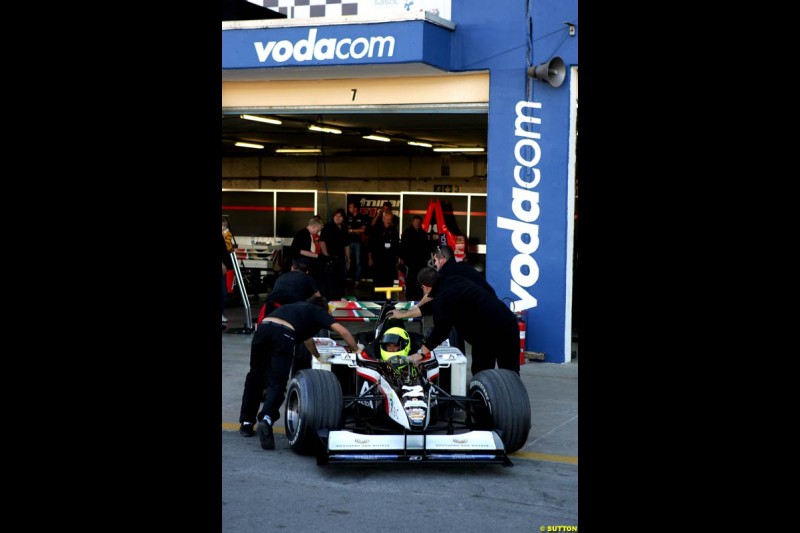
333 278
271 358
502 348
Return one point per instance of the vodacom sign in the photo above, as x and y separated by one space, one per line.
524 206
324 49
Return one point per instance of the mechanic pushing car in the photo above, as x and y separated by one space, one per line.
481 318
271 356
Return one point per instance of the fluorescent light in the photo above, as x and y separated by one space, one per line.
377 138
416 143
298 151
458 149
261 119
324 129
250 145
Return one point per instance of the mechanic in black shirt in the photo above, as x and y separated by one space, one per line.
483 320
444 261
293 286
271 356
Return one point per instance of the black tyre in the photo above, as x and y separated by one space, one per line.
505 407
313 402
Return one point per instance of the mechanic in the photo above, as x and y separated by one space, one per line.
482 319
271 355
444 261
293 286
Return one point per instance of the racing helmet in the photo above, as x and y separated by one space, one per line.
397 336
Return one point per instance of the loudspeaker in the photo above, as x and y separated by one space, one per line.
553 72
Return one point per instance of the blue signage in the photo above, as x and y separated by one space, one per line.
356 44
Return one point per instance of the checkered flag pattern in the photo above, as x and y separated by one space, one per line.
298 9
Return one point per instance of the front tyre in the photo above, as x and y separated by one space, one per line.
504 406
313 402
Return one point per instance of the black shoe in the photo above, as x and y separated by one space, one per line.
247 430
266 436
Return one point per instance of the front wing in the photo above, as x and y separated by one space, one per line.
471 447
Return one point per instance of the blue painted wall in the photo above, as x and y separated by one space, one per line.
506 38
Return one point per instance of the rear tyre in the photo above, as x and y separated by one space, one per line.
313 402
504 406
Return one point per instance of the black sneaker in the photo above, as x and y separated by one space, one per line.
247 430
266 436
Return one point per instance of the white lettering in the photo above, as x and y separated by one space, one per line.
381 40
339 53
525 206
359 42
520 197
299 54
263 51
325 49
518 230
283 51
527 184
537 152
526 300
519 131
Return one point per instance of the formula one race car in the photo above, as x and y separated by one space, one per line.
376 406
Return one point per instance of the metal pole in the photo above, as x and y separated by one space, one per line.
248 324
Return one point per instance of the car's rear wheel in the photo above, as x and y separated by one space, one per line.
503 407
313 402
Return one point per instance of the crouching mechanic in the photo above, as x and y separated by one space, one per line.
271 355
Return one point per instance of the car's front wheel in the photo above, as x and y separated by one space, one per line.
504 406
313 402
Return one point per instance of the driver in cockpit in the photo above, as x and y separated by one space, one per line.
395 341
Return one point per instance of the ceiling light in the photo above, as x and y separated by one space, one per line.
324 129
377 138
417 143
473 149
261 119
250 145
298 151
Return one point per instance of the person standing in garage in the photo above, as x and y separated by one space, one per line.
303 246
356 225
334 256
415 252
384 247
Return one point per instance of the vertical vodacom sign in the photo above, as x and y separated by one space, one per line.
524 234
